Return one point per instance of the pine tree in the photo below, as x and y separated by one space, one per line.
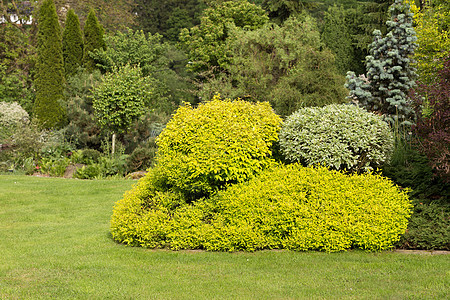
389 72
72 44
93 39
49 80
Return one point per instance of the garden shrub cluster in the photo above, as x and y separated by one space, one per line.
342 137
218 143
216 186
285 207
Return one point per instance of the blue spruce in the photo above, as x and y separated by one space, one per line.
389 72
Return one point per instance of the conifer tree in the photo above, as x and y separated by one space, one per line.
93 39
49 80
389 72
72 44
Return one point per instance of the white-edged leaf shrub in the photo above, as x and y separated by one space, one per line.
340 136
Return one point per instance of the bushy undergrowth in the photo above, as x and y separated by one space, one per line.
343 137
285 207
428 227
218 143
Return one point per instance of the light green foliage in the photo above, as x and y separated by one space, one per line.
390 74
432 25
343 137
93 39
221 142
122 97
49 79
284 65
206 43
156 59
285 207
72 40
133 48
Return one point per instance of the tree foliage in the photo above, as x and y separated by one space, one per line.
206 43
284 65
168 17
131 47
122 96
49 80
390 74
337 34
113 15
93 39
432 26
72 44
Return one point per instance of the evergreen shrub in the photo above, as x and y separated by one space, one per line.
342 137
220 142
284 207
429 226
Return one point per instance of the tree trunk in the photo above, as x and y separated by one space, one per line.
113 148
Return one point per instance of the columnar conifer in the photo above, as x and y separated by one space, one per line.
72 44
49 80
93 39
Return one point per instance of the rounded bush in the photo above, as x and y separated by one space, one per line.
12 114
284 207
342 137
218 143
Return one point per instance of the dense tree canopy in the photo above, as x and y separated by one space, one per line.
285 65
206 44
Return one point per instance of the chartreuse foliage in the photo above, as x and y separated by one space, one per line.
49 79
432 26
285 207
342 137
221 142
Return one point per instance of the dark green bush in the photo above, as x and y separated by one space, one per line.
428 227
343 137
285 207
142 157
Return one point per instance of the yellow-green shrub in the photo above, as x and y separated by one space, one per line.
284 207
218 143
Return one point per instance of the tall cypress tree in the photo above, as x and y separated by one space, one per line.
49 80
93 39
72 44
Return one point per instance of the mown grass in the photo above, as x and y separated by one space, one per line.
54 244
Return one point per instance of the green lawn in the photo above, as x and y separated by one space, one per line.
54 243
